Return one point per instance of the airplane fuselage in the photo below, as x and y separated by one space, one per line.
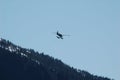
59 36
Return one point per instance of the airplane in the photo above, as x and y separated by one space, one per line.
60 36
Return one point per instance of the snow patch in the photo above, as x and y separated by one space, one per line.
22 54
28 51
10 49
37 61
17 48
0 39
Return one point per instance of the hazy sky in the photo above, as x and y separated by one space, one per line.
94 26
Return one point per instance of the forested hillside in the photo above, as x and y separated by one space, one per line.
17 63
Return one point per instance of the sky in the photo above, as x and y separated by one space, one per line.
93 26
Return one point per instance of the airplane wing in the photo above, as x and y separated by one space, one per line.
66 35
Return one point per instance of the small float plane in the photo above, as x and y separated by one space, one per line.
60 36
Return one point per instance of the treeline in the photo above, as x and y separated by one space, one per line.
17 63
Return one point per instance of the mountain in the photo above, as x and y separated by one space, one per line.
17 63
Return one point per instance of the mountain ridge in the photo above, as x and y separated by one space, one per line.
43 66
